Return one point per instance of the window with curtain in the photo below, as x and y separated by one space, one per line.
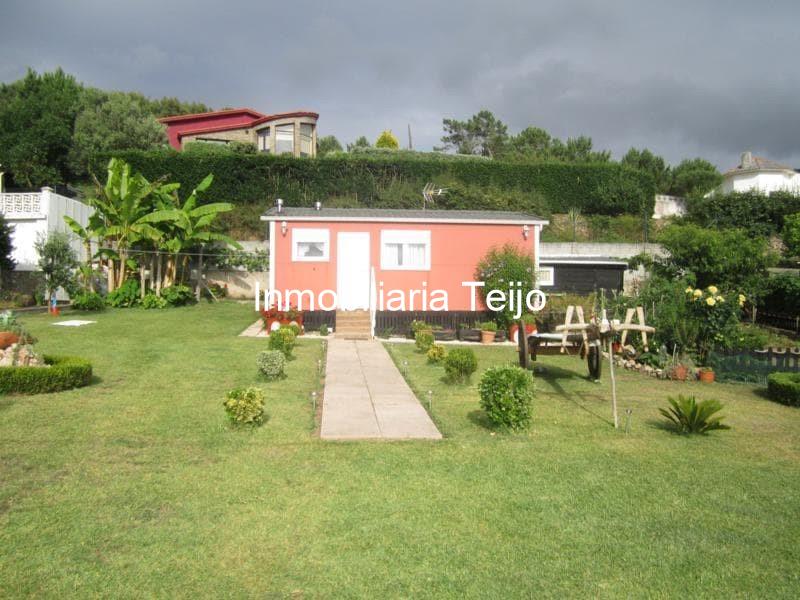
306 139
284 139
405 250
309 245
264 140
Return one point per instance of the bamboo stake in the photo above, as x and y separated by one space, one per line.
613 383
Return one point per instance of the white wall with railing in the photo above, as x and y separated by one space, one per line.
33 214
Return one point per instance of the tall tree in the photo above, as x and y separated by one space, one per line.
57 262
117 121
645 160
360 142
531 142
37 118
7 263
695 176
328 144
482 134
387 140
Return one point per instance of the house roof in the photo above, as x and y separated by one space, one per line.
214 113
757 163
499 217
251 124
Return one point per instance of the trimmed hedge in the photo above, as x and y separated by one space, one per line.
784 388
64 373
393 180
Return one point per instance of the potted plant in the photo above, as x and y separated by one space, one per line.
706 374
530 327
488 332
467 333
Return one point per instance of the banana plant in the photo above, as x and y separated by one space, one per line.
189 225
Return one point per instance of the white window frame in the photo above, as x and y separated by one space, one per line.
551 278
300 235
405 236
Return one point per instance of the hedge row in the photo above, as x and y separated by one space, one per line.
395 180
65 372
784 388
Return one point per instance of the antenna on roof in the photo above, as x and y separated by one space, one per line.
428 193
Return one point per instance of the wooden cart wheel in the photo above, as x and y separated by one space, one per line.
594 359
522 345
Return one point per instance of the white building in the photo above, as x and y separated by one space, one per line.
755 173
34 213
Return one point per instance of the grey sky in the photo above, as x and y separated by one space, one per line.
684 79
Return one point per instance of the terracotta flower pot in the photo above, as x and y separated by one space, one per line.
514 330
7 338
706 375
679 373
487 337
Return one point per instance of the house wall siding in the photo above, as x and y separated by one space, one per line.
455 250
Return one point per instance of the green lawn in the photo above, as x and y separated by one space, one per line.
136 487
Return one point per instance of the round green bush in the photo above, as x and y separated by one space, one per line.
323 330
64 373
178 295
151 301
283 339
245 406
88 301
436 354
460 363
784 388
423 340
506 396
271 363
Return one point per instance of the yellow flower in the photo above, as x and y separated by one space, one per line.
689 290
698 293
712 289
720 299
710 301
742 299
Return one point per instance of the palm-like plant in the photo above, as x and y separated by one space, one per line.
689 416
188 224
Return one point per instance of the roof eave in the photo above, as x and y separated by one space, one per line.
520 221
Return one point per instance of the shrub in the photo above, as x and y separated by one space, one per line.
125 296
295 329
178 295
323 330
498 269
436 354
507 395
460 363
88 301
271 363
417 326
64 372
488 326
241 177
245 406
283 339
784 388
423 340
150 301
689 416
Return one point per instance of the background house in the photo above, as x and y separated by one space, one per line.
762 174
293 132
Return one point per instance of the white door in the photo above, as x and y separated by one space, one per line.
352 270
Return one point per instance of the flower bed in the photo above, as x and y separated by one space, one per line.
273 318
58 373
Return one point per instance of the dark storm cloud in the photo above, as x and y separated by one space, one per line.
682 78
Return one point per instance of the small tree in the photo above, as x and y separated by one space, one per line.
387 140
328 144
498 269
361 142
7 263
57 261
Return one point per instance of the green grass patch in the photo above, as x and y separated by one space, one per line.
136 486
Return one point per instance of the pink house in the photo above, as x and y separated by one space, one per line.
385 260
281 133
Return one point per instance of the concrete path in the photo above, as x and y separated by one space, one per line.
366 397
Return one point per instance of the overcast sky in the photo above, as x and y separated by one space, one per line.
684 79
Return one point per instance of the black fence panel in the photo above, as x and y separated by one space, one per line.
314 319
753 366
399 322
